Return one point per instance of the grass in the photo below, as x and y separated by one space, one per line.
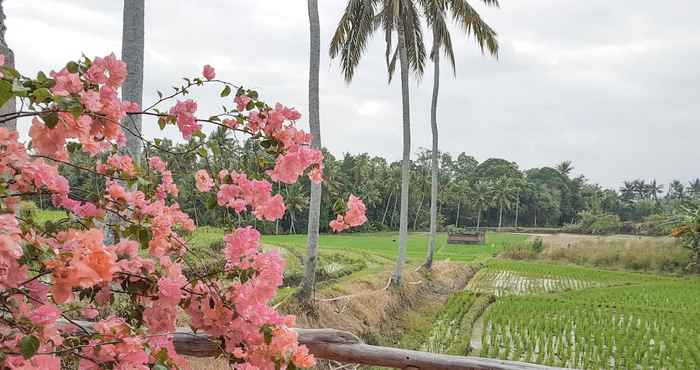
387 244
620 252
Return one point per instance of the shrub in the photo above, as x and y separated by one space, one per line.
595 223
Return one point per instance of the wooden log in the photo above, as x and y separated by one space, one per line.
342 346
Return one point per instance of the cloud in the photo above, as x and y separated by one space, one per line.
609 86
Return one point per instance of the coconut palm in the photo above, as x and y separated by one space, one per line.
676 190
436 13
359 21
565 168
482 198
503 196
132 54
694 188
307 284
9 106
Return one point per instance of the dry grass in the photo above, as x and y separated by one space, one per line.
637 253
373 313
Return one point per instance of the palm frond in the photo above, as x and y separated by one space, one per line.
354 30
414 38
472 24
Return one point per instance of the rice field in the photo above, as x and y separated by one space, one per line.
583 318
503 278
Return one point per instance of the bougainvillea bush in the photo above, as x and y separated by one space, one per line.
58 280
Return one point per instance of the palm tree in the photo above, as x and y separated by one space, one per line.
360 20
565 168
307 284
436 12
694 188
481 194
296 201
9 106
654 190
627 191
676 190
503 196
132 54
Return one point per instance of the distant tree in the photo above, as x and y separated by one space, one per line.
654 189
676 190
503 196
694 188
565 168
481 198
628 191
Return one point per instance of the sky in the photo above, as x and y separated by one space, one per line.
612 87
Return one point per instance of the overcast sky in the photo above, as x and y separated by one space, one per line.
610 85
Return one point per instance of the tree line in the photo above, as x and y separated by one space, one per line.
492 193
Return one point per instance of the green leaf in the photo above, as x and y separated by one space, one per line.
50 119
226 91
160 94
162 122
266 331
28 346
18 88
72 67
203 152
5 92
211 202
41 94
77 111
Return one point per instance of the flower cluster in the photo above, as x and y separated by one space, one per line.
353 217
80 102
55 271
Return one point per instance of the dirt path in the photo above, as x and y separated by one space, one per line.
477 331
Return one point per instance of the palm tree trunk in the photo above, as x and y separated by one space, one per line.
420 208
500 216
405 165
535 216
393 212
478 219
132 89
10 106
309 280
459 203
132 54
386 209
517 204
434 166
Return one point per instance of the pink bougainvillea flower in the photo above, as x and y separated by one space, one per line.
354 215
242 102
184 115
209 72
204 181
